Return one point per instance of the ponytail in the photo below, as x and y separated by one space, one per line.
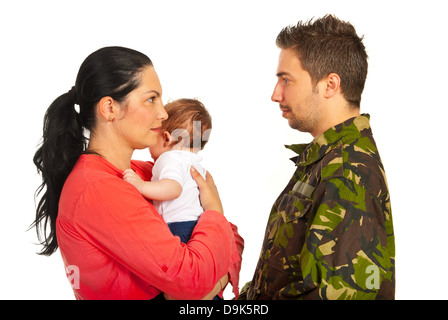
109 71
63 142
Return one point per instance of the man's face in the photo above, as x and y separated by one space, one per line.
299 100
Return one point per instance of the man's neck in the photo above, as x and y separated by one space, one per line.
332 119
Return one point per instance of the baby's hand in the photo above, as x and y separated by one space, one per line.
130 176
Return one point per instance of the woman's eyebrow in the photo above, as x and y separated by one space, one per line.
153 91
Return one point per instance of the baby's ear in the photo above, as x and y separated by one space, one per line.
166 138
166 135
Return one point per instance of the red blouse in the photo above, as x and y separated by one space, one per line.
120 247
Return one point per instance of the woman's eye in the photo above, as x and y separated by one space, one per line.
151 99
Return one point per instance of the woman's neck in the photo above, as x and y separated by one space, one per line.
115 153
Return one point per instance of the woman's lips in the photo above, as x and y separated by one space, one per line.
156 129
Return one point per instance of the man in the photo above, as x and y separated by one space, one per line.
330 233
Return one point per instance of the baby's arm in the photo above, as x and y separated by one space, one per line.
162 190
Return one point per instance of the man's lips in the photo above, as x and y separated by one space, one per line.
285 111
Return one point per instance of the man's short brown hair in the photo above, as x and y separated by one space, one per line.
329 45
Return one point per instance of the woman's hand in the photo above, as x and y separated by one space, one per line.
218 288
222 283
208 193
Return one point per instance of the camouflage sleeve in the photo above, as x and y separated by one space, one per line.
349 246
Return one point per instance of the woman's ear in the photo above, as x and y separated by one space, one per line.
106 108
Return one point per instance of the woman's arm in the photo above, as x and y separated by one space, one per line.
112 216
210 199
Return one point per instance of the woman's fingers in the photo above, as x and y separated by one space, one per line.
197 177
208 192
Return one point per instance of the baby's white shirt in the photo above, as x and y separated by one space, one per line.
175 165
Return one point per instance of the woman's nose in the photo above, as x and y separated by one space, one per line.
162 114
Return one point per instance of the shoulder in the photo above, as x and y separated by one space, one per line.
103 201
143 168
170 165
93 168
94 187
177 158
176 165
356 160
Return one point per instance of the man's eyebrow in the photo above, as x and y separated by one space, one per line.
282 74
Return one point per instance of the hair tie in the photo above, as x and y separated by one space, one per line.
73 95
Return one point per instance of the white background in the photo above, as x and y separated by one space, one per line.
224 53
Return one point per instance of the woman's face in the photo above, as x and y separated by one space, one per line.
141 119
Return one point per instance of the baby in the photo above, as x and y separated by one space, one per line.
174 192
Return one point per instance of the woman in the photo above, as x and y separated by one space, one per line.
114 238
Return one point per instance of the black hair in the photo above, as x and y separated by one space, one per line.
110 71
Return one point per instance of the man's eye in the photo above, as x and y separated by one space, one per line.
285 80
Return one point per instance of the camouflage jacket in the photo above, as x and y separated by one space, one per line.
330 233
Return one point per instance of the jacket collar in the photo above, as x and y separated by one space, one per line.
344 132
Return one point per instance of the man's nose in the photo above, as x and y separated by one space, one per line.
277 94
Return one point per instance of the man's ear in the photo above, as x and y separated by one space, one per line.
333 85
107 109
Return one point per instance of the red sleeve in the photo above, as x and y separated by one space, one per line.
144 169
235 267
128 228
